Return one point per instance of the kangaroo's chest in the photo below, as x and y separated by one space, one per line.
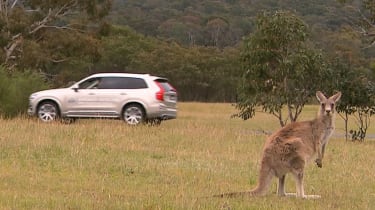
326 134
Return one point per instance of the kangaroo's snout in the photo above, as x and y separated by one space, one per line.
326 109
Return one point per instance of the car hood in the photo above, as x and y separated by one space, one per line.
51 91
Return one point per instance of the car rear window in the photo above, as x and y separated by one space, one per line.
165 85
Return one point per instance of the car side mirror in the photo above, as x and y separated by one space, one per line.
75 87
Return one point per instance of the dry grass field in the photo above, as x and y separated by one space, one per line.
105 164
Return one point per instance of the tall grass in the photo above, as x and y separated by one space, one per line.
104 164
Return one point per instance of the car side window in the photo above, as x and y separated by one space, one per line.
122 83
134 83
91 83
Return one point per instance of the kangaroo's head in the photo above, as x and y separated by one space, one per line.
327 105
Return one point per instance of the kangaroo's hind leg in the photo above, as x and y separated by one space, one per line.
281 188
298 173
264 181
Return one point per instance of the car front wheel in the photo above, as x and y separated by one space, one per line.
48 111
133 114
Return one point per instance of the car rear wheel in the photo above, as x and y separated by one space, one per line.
48 111
133 114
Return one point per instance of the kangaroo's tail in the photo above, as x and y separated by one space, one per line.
235 194
264 181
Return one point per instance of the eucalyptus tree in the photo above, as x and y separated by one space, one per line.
281 69
36 33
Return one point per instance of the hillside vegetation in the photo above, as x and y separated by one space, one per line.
222 23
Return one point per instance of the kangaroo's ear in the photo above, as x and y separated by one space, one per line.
336 97
320 96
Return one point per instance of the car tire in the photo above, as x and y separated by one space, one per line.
133 114
48 111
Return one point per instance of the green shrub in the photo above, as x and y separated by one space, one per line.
15 88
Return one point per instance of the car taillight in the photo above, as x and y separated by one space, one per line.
172 88
160 93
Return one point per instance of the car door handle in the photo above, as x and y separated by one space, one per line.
91 94
123 94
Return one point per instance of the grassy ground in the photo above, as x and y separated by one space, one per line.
100 164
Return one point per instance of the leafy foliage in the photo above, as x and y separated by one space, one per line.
15 90
280 68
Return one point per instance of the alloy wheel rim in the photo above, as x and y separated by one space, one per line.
133 115
47 112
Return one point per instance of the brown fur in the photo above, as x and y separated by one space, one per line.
289 150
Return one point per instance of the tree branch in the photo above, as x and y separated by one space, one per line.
14 4
40 24
52 15
16 40
57 61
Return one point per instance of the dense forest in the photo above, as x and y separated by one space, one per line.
223 23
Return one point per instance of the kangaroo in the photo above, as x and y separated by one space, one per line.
289 149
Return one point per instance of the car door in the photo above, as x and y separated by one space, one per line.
83 100
109 95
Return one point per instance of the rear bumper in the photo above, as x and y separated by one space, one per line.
162 112
167 117
168 114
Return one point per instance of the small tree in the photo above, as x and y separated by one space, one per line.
357 99
280 68
362 107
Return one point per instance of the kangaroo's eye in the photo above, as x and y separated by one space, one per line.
332 105
323 105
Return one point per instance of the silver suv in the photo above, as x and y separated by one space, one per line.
135 98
